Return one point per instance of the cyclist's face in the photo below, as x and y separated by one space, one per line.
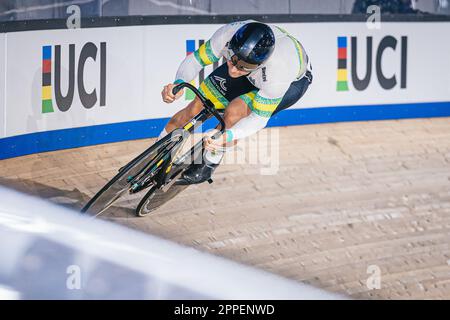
235 72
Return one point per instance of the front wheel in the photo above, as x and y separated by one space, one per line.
155 198
120 184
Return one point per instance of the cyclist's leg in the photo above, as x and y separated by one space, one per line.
236 110
222 90
180 118
204 167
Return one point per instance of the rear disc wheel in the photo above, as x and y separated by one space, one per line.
156 197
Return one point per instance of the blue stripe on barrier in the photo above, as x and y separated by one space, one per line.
79 137
99 134
360 113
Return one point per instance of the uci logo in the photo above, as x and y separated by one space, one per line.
361 83
76 73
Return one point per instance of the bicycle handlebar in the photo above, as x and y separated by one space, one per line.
206 103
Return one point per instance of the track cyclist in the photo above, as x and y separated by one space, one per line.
266 70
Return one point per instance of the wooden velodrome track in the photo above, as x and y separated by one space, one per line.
346 197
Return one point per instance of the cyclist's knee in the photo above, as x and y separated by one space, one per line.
236 110
194 107
188 112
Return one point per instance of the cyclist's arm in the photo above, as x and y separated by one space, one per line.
208 53
262 106
246 127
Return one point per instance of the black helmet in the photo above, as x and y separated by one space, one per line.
253 43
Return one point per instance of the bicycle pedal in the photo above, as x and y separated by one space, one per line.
210 180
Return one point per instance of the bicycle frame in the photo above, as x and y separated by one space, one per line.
155 171
166 160
204 114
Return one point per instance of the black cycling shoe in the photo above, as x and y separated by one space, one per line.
198 173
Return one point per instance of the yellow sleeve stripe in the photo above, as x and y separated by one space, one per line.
205 55
266 104
264 107
248 98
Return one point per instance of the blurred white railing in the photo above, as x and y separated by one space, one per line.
50 252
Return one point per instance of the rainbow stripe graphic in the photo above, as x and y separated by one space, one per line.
342 83
190 49
47 105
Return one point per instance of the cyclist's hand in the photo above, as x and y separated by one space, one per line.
215 144
167 94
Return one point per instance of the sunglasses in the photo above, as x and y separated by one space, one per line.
239 64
